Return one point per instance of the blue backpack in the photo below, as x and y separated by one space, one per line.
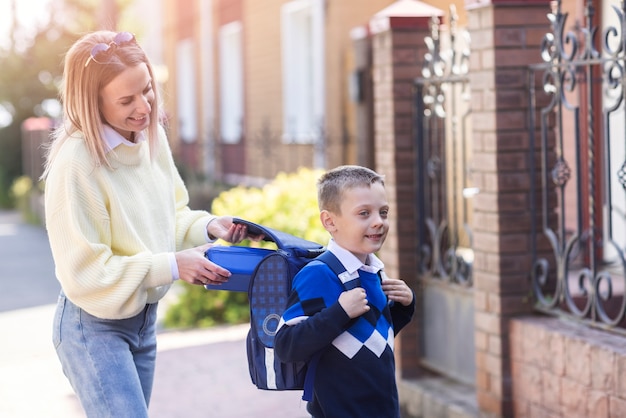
269 287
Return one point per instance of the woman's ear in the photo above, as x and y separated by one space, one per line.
327 221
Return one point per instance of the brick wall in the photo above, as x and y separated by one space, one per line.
565 369
264 89
506 37
341 17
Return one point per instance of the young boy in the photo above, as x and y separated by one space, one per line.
353 330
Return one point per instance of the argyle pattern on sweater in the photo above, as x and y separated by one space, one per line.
373 330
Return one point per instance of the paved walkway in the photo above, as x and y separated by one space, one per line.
200 373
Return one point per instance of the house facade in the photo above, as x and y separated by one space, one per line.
499 125
256 88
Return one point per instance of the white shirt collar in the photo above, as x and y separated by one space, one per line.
351 262
112 138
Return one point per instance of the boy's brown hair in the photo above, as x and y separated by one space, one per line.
332 184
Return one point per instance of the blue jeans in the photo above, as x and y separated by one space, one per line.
110 363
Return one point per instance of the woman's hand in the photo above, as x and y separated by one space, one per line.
224 228
195 268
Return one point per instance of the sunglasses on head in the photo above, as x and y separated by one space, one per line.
102 49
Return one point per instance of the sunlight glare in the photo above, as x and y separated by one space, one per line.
29 15
5 117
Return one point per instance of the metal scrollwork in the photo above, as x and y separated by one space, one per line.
443 139
577 275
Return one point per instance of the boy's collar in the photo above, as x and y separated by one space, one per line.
351 262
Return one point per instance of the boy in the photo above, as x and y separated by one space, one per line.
352 330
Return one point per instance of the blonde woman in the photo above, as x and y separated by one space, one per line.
119 225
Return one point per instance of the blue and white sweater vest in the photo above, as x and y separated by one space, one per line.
357 360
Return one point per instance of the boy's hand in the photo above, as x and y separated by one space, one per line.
354 302
397 291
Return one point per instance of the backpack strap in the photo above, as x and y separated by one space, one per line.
335 265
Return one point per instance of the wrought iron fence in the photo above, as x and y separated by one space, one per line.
578 199
444 190
442 134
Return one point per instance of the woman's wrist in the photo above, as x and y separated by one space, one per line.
211 236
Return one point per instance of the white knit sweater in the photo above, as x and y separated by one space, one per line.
111 230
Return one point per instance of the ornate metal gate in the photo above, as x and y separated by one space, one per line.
442 134
577 127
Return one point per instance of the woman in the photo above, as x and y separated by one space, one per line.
119 225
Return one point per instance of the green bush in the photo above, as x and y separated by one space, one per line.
22 189
5 193
24 195
201 308
289 203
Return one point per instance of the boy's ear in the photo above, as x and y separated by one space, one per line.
327 221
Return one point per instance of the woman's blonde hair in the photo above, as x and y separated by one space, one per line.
83 79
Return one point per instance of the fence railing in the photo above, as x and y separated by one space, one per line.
442 134
444 203
577 152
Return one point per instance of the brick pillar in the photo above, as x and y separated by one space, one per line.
506 37
397 53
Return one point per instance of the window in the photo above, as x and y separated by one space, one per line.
231 82
186 83
303 70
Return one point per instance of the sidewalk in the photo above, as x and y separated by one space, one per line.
199 373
